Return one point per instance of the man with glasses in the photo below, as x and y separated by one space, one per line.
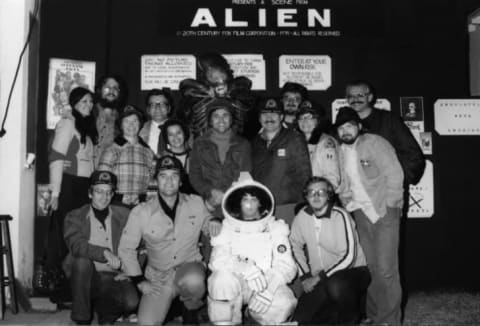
360 96
372 189
159 106
333 271
92 234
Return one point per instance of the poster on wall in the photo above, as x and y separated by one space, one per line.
159 71
426 143
381 103
421 204
43 199
457 117
312 71
63 76
249 65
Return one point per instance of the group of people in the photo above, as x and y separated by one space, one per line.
267 206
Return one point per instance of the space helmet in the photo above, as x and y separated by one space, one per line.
231 205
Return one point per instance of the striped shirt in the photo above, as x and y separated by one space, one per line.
331 242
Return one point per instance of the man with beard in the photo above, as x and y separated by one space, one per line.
360 96
280 159
111 95
292 94
372 189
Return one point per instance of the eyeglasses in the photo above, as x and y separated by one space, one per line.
355 96
317 192
111 88
103 192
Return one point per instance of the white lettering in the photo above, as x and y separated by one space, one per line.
203 16
283 15
229 22
324 20
262 17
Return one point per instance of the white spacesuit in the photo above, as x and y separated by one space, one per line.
251 261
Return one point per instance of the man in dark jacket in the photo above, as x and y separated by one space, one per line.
92 234
360 97
280 159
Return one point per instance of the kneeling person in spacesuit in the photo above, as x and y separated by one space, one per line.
251 261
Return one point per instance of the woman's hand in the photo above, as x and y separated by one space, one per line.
53 204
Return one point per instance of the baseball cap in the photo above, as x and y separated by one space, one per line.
100 177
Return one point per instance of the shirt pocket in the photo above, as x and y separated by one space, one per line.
155 234
370 169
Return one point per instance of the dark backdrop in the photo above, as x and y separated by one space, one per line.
405 48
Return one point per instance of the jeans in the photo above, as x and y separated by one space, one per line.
380 243
108 297
338 299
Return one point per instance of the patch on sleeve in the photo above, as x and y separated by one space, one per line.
282 248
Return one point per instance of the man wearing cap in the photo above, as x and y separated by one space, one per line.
218 156
170 225
92 234
280 159
372 189
361 97
292 94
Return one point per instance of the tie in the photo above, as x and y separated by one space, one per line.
161 144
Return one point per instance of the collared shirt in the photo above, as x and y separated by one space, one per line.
360 198
154 136
133 164
100 236
169 243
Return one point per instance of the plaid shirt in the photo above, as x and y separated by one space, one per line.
133 164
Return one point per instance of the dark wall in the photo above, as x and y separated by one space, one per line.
405 48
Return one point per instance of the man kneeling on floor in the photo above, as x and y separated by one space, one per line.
92 234
251 260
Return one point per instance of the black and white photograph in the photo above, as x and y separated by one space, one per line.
239 162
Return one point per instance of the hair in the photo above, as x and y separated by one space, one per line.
367 84
164 92
233 201
323 123
128 111
86 126
122 94
295 88
316 179
213 60
174 122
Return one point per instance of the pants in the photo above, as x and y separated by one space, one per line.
335 300
187 281
380 244
228 292
109 298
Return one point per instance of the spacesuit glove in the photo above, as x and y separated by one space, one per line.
260 302
255 278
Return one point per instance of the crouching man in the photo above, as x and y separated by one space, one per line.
170 224
251 260
92 234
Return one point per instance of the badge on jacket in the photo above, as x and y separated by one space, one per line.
281 152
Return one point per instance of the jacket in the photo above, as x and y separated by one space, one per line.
284 166
325 160
380 173
337 247
168 243
392 128
76 232
145 135
206 170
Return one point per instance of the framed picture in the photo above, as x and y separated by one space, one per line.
411 108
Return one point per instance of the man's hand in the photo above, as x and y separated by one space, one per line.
147 287
216 197
255 278
112 260
310 283
121 277
260 302
214 227
53 204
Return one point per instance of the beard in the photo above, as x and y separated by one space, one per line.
115 104
349 140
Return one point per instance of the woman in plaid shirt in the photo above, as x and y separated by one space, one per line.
130 159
